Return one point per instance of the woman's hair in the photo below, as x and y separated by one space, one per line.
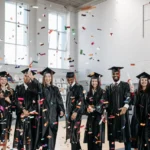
147 87
7 87
98 86
43 82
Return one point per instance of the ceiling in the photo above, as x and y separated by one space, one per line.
73 3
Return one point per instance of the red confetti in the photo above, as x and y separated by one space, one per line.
83 28
92 43
111 34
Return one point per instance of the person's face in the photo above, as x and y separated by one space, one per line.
26 78
48 78
3 81
70 80
116 75
144 82
94 83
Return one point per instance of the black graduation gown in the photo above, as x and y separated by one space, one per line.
95 132
5 115
134 123
118 126
74 103
27 129
52 106
143 115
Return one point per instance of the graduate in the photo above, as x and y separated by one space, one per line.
6 100
52 109
27 95
95 105
118 96
74 110
142 111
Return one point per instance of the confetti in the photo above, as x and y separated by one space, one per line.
50 31
35 61
27 10
44 110
111 117
42 27
111 34
83 28
99 29
67 27
73 32
90 54
41 44
83 15
42 54
17 66
81 51
85 8
20 99
92 43
132 64
44 15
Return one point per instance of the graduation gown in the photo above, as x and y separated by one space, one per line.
5 114
134 123
118 126
95 132
52 106
143 116
27 128
74 103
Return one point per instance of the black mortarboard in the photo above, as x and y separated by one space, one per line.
26 71
115 69
70 75
95 75
4 74
143 75
47 70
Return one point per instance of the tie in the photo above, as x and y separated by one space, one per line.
116 84
70 87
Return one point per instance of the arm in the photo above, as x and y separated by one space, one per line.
80 101
60 102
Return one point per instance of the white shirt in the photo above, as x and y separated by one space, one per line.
126 105
25 86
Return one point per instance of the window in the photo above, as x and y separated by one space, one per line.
16 33
57 39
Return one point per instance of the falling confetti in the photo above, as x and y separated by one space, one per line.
83 28
50 31
87 8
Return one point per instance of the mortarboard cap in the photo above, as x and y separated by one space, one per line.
143 75
70 75
115 69
47 70
94 74
26 71
4 74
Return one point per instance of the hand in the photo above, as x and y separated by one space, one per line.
40 148
74 115
1 95
61 113
123 110
33 113
25 112
7 99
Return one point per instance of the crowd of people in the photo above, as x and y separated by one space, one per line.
38 107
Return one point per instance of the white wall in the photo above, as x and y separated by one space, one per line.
124 19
